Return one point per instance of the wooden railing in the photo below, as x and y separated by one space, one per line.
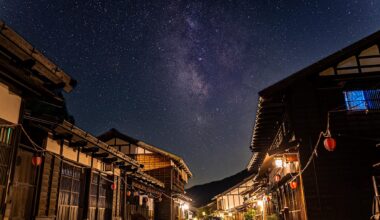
134 210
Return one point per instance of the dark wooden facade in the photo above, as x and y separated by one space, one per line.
162 165
49 168
292 114
28 81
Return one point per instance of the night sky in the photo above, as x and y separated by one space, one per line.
184 75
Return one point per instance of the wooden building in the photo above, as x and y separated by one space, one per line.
27 80
230 204
49 168
337 97
162 165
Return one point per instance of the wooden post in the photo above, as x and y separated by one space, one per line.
8 188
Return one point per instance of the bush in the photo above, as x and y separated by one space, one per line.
250 215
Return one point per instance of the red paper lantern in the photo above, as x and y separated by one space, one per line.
113 186
36 160
293 185
330 143
277 177
268 198
129 193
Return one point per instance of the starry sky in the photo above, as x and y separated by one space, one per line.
184 75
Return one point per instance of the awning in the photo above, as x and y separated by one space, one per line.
30 56
268 117
143 177
86 142
182 197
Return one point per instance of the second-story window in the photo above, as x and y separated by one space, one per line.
362 99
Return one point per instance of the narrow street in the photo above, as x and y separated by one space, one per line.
189 110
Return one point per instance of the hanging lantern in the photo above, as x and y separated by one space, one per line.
135 193
36 160
113 186
293 185
160 199
330 143
129 193
277 177
268 198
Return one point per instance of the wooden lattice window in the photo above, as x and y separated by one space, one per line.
100 197
94 190
70 185
102 184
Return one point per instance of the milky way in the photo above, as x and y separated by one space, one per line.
184 75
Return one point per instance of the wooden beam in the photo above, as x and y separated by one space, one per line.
90 150
80 143
98 155
109 160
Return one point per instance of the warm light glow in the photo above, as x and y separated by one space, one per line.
195 218
185 206
204 213
260 203
230 214
278 162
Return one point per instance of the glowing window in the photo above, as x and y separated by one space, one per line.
362 99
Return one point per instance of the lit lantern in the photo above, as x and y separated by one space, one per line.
135 193
36 160
293 185
277 177
268 198
278 162
129 193
113 186
330 143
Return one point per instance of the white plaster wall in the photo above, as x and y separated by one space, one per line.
10 104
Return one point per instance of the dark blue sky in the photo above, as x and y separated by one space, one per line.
184 75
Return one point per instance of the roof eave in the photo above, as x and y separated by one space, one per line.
323 63
45 67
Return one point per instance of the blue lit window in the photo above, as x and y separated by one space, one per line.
362 99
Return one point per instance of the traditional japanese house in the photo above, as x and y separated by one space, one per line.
314 138
164 166
141 196
96 181
230 204
26 78
49 168
263 198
